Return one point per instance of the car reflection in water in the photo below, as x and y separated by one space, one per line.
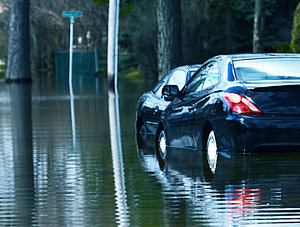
152 104
246 190
234 104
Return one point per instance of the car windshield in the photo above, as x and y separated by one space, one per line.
267 69
175 77
178 78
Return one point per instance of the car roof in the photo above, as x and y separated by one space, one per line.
252 56
195 66
186 67
237 57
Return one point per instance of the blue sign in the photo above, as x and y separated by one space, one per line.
72 14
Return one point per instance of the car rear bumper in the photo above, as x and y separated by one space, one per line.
250 133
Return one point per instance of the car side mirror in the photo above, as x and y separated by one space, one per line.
170 92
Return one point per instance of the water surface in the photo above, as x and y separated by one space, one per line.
75 162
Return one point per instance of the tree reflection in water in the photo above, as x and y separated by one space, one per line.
21 119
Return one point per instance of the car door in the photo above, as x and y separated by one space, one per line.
176 77
202 108
156 104
153 101
180 114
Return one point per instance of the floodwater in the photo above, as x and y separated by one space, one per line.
74 161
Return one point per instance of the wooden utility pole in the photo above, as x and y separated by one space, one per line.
259 26
112 46
18 59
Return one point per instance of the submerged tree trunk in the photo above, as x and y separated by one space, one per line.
259 26
169 35
18 59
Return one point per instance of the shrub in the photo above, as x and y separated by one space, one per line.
283 48
295 44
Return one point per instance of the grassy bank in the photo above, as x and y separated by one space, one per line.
2 68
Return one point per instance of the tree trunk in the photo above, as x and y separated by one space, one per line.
18 62
259 26
169 35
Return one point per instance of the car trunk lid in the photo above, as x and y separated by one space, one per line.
277 97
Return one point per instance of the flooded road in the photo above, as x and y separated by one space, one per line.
75 162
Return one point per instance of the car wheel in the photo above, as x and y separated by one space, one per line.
141 133
161 148
211 152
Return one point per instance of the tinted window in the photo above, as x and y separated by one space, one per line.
197 80
213 76
190 73
267 69
208 75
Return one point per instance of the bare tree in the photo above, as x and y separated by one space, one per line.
169 35
259 26
18 63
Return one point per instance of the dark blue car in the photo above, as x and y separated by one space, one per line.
234 103
153 103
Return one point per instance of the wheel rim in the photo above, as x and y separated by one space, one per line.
142 132
162 145
212 152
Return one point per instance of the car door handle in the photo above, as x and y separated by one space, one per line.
192 108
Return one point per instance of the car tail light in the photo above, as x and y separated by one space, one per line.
239 103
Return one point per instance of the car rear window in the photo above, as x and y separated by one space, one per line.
267 69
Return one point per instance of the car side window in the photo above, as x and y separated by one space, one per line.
213 76
207 76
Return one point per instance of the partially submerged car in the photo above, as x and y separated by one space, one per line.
234 103
152 104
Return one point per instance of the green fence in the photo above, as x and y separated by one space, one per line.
85 64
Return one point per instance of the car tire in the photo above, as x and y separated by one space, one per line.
161 147
211 154
140 134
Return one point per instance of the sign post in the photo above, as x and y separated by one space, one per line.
71 15
112 44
